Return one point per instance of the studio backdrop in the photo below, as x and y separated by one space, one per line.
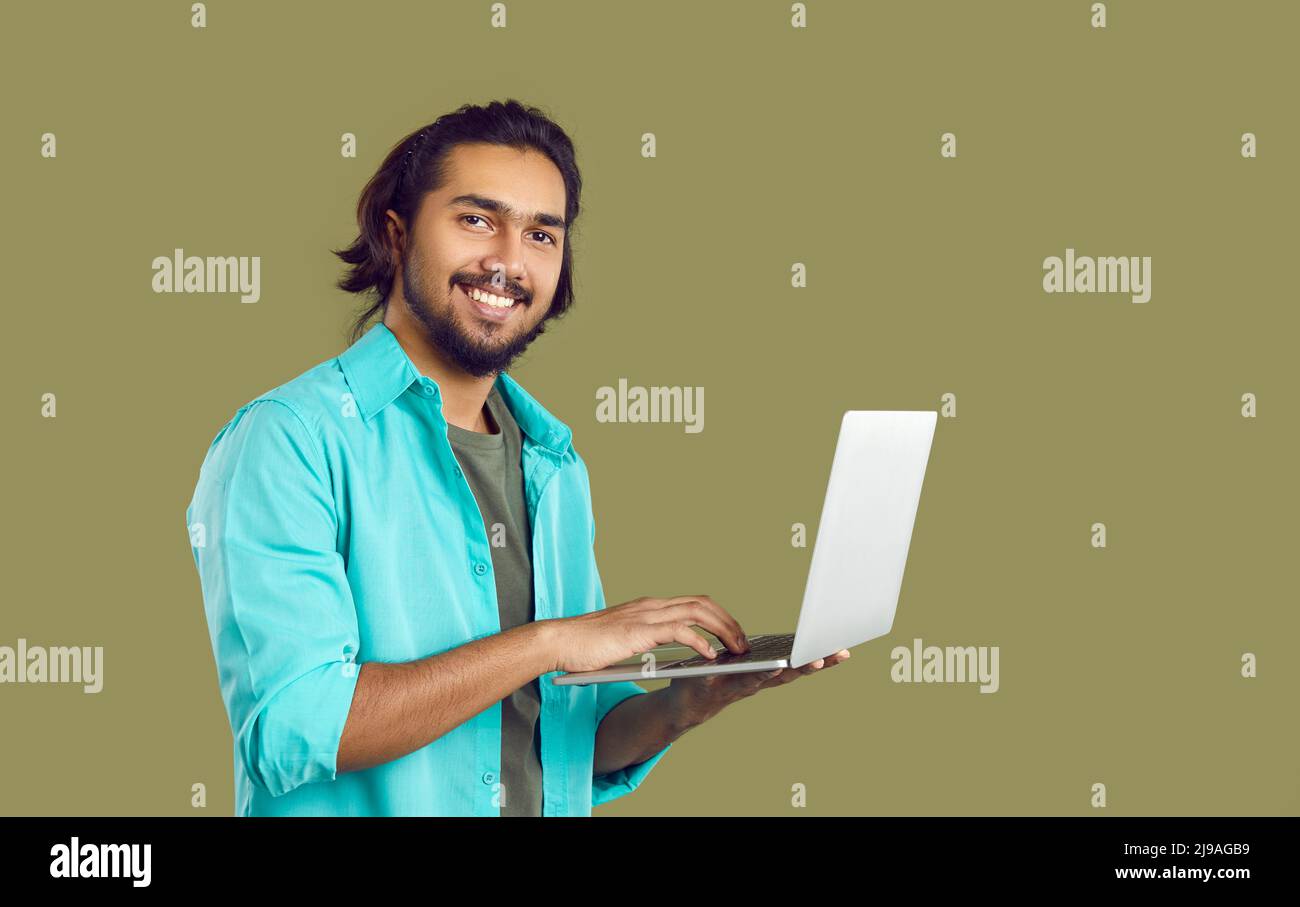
1065 227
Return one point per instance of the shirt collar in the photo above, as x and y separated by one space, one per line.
378 370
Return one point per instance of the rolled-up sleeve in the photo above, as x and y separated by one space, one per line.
279 608
611 785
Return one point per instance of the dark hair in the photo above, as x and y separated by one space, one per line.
417 165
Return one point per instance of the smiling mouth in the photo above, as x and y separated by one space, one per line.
488 305
489 297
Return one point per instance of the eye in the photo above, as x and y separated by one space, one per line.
548 238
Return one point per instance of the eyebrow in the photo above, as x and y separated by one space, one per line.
507 211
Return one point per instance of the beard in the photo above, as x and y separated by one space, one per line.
478 353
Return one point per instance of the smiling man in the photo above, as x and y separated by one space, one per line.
395 548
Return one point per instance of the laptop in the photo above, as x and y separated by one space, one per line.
856 572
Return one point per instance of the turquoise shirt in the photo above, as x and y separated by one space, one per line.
331 526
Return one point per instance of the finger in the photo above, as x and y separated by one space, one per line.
710 617
697 612
820 664
812 667
682 633
737 637
831 660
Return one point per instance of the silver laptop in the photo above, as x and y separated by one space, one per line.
857 561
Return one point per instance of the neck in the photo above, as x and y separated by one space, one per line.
464 397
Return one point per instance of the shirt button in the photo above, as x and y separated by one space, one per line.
480 568
428 391
488 777
456 469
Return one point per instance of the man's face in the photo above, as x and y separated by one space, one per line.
495 226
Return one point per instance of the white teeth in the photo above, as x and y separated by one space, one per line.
497 302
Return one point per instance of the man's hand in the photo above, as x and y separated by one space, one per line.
598 639
697 699
640 726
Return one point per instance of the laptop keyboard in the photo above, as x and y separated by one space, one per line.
761 648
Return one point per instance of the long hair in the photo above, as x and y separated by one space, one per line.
417 165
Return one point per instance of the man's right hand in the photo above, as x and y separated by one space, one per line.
598 639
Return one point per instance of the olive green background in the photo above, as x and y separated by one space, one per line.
775 145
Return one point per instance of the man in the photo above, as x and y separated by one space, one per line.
396 547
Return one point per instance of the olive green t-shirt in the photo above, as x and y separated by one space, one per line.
492 464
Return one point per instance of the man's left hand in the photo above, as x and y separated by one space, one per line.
697 699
